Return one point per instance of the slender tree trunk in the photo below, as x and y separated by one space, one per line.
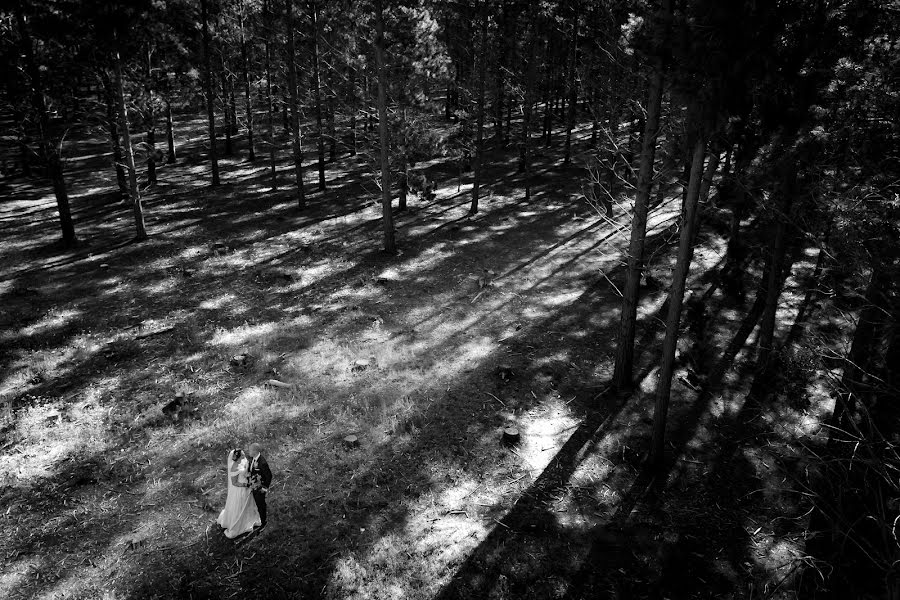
354 107
232 106
502 59
151 126
133 189
624 367
317 90
547 133
113 129
296 144
524 158
676 299
387 216
767 326
573 87
170 133
226 106
330 108
49 152
248 95
269 98
479 134
208 84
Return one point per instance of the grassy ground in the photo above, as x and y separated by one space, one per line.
507 317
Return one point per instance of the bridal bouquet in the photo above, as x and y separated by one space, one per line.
256 484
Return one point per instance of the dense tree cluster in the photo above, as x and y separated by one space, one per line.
782 114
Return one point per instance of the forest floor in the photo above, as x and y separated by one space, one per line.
504 318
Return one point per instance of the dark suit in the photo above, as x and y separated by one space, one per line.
261 467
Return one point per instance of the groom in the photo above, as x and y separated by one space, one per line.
260 468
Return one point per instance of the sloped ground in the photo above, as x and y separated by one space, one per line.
479 322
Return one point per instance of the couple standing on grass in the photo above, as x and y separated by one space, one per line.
249 477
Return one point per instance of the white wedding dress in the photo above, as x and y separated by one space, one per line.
239 515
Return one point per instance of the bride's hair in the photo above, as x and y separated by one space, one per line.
235 454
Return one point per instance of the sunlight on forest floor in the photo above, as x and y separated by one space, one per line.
503 319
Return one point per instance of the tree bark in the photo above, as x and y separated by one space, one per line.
479 134
387 216
624 367
226 106
113 130
524 158
296 142
676 300
151 126
50 154
208 84
170 133
317 90
573 87
248 96
133 189
269 98
778 248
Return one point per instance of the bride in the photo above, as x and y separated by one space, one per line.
240 514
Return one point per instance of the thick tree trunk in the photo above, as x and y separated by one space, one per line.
296 142
387 215
49 152
248 95
170 133
317 91
573 87
502 60
479 133
133 189
624 366
208 84
676 299
269 97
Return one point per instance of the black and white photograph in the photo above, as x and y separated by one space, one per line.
450 299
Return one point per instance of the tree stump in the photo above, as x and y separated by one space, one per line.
510 436
351 441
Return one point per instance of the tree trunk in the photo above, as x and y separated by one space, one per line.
269 98
773 290
502 60
208 84
151 127
353 110
479 133
317 90
676 299
226 106
524 159
133 189
547 133
170 133
296 142
387 216
50 153
248 95
109 97
573 87
329 111
624 366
